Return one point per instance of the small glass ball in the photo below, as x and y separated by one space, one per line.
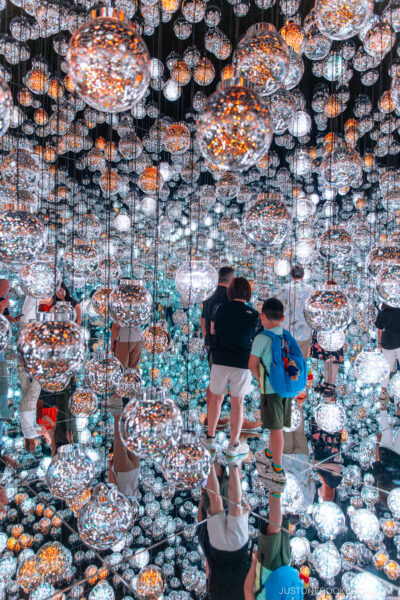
103 373
187 465
156 338
365 586
329 519
326 560
267 221
53 560
330 417
341 167
5 332
340 20
108 270
81 260
70 472
130 385
150 583
365 525
6 106
83 402
100 301
22 237
387 285
130 303
331 341
177 138
335 244
39 280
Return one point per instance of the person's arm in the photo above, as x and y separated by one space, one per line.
78 314
254 363
380 331
114 333
250 578
203 326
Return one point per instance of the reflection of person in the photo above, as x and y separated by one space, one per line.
388 325
270 577
224 537
62 295
126 343
326 447
125 466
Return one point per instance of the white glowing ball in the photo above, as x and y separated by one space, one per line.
122 222
301 124
365 586
331 341
299 550
394 385
365 525
326 560
329 519
330 417
370 367
393 502
282 267
196 280
292 498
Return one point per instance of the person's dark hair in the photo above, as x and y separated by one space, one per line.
273 309
239 289
225 274
297 272
68 297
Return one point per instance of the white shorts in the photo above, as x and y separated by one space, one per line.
239 380
127 482
227 532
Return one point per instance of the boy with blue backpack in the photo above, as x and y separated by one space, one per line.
280 369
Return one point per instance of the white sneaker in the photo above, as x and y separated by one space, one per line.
239 450
268 472
262 458
235 461
210 443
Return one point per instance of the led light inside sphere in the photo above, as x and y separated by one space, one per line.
108 62
234 130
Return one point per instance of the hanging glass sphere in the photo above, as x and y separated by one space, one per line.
20 169
394 386
100 301
228 186
6 106
187 465
22 237
341 20
299 550
70 472
53 561
331 341
106 518
89 227
177 138
370 367
156 338
262 57
196 280
83 402
365 586
342 166
40 280
108 271
365 525
327 310
28 577
234 129
130 303
102 591
151 425
381 256
108 62
53 347
330 417
5 332
150 583
335 244
151 181
326 560
130 385
329 519
388 284
393 502
103 373
267 221
296 418
81 260
379 40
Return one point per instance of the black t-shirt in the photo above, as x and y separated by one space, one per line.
235 327
388 320
210 307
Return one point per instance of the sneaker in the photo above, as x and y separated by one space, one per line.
250 425
210 443
272 486
239 450
235 461
268 472
262 458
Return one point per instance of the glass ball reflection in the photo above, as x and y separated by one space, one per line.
83 402
103 373
327 310
130 384
388 284
329 519
6 106
341 167
394 386
150 583
330 416
53 560
326 560
196 280
365 586
331 341
365 525
70 472
187 465
22 237
341 20
5 332
370 367
39 280
267 221
130 303
393 502
335 244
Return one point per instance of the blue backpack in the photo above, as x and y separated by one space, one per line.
288 373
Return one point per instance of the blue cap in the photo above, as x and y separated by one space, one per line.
284 584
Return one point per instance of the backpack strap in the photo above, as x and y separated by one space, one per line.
271 336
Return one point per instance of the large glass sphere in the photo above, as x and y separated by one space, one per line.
394 385
326 560
5 332
53 561
20 168
108 271
383 256
267 221
329 519
130 303
365 586
103 373
196 280
130 384
108 62
52 347
156 338
365 525
151 425
341 19
187 465
282 107
89 227
300 549
70 472
331 341
234 129
335 244
106 517
341 167
330 417
177 138
81 260
22 237
370 367
83 402
327 310
39 280
150 583
262 57
393 502
388 284
6 106
100 300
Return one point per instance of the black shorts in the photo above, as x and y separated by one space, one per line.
276 412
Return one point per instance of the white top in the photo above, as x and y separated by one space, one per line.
30 429
29 309
293 297
129 334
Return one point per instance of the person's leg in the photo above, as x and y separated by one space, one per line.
135 351
304 346
235 493
391 358
276 447
331 369
236 418
121 459
275 514
213 492
122 353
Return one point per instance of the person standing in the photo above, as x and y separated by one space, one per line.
388 325
293 297
234 328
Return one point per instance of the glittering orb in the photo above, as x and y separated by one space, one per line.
83 402
388 285
327 310
326 560
296 418
331 341
370 367
100 301
394 386
130 384
108 270
108 62
81 260
151 425
156 338
70 472
329 519
150 583
196 280
365 586
267 221
151 181
20 168
28 577
5 332
341 167
130 303
393 502
103 373
22 237
187 465
365 525
299 550
104 520
383 256
177 138
39 280
330 416
234 129
335 244
342 19
263 58
53 560
6 106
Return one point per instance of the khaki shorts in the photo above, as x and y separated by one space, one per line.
276 412
128 353
295 442
274 550
227 532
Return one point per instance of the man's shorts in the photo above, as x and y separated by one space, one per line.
274 550
239 380
276 412
227 532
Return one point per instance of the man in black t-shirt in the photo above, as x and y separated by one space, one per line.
210 306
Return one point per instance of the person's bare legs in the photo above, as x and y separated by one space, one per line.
330 371
275 515
235 492
276 445
121 459
236 418
213 491
213 412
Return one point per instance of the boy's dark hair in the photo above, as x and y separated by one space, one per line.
239 289
225 274
273 309
297 272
